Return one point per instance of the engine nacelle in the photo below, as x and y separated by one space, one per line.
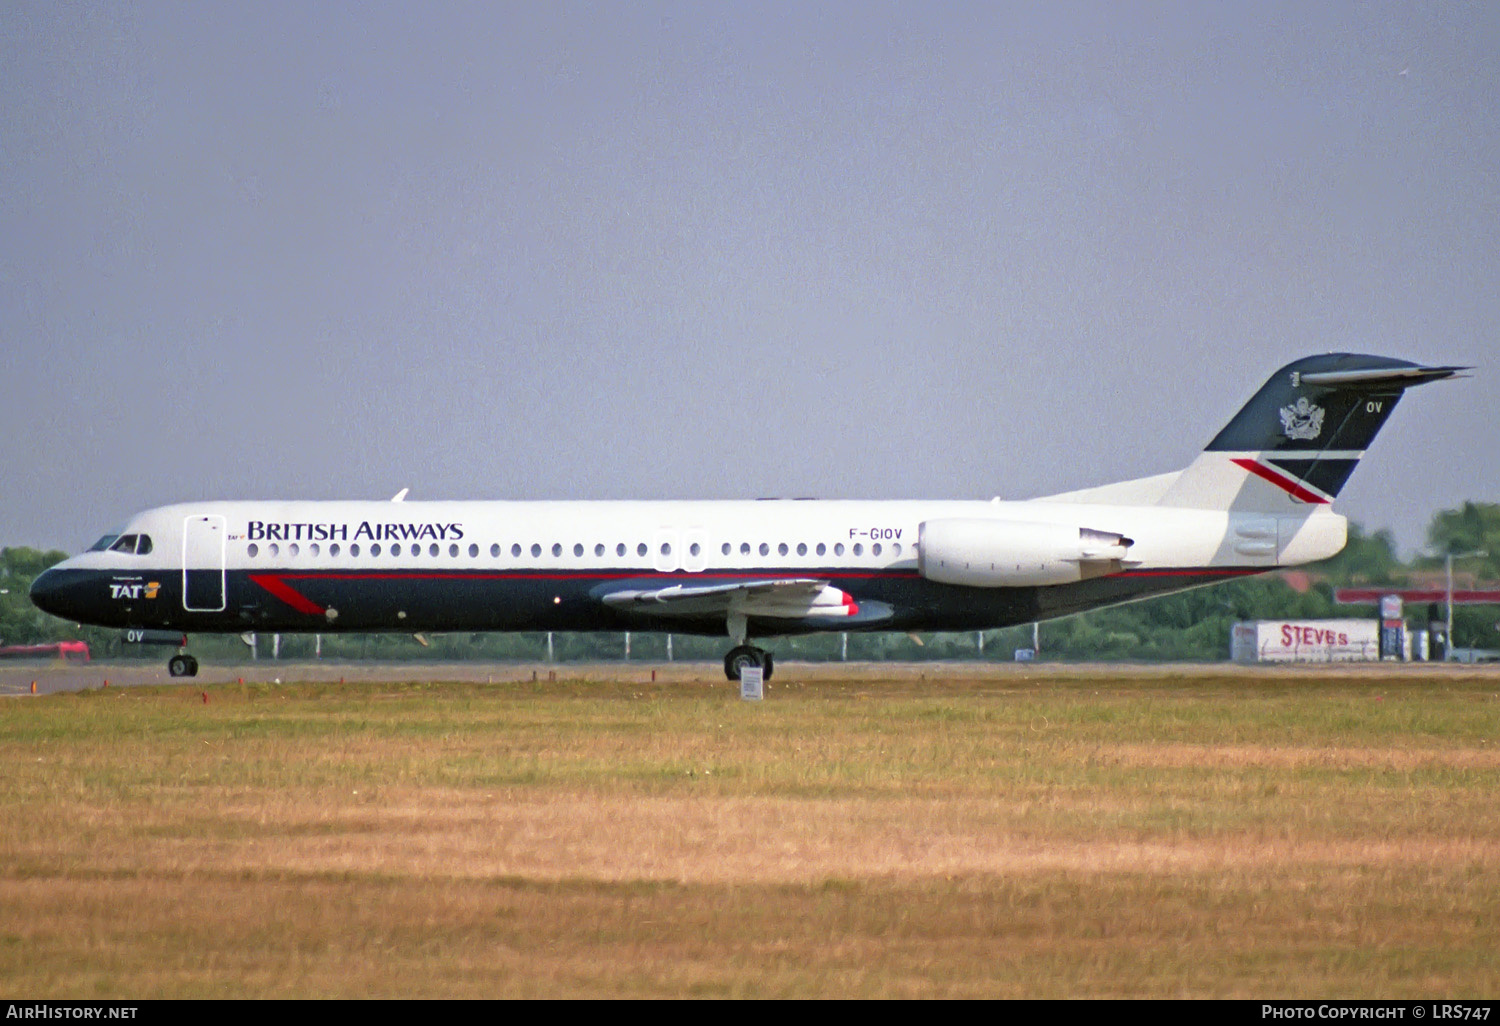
1015 554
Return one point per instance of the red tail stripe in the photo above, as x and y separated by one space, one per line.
1286 484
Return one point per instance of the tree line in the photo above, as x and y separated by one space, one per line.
1192 625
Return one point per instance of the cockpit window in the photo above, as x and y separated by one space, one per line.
143 546
131 544
103 543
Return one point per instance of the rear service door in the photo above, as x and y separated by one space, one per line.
695 550
203 539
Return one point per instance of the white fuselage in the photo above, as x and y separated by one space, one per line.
778 536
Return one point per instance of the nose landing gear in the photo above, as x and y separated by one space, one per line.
181 664
742 657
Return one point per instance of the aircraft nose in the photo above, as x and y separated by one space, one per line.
47 592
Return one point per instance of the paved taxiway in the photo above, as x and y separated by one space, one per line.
52 676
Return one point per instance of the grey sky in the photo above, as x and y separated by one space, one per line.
726 250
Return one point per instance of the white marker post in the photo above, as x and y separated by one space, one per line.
751 678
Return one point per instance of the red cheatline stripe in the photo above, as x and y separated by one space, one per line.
276 583
1286 484
681 575
1193 573
276 586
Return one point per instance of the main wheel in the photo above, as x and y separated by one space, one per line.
180 666
192 667
742 657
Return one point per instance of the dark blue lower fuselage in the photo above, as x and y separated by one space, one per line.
328 601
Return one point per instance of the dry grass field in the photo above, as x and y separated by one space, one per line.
922 831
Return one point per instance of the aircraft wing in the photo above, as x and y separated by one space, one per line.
781 598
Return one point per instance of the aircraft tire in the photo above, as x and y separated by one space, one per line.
767 664
740 657
179 666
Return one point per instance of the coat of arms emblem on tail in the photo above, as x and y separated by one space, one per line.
1302 420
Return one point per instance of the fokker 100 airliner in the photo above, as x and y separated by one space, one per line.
1257 498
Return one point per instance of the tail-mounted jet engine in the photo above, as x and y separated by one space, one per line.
1016 554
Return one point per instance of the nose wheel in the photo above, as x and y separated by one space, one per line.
742 657
182 666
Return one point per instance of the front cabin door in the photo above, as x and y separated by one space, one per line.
203 539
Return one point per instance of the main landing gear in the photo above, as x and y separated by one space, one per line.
182 665
742 657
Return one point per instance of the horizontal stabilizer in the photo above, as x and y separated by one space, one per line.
1381 377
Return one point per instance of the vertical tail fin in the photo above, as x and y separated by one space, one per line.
1296 442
